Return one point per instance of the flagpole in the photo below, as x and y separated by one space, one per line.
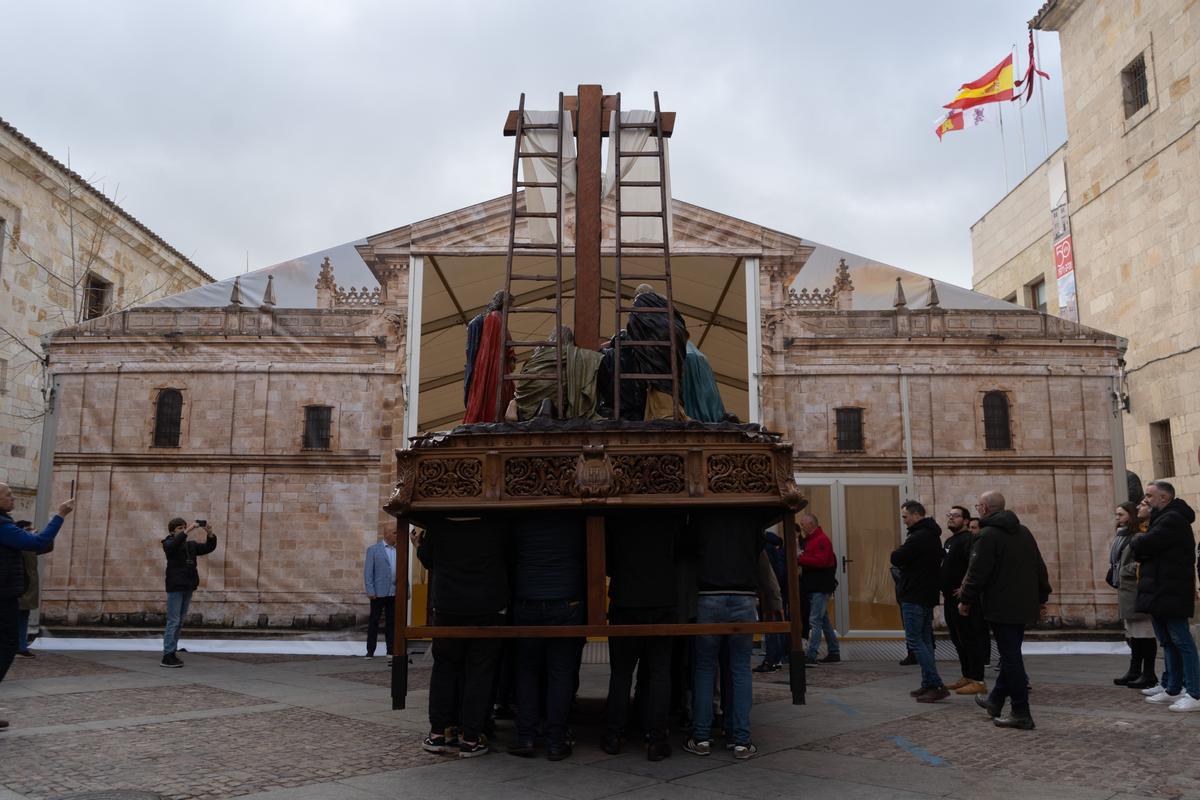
1003 147
1021 115
1041 95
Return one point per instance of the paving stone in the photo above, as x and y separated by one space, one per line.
112 704
46 664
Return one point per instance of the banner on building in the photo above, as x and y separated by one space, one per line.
1064 251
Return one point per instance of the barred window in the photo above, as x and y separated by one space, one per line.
1135 89
97 294
997 433
317 424
1163 452
168 414
849 429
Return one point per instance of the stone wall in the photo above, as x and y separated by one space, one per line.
42 204
292 524
1134 187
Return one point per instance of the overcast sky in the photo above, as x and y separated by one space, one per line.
275 129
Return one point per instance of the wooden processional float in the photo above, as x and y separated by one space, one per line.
590 467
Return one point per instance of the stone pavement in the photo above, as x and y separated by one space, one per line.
308 727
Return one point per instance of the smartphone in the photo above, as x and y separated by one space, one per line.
203 523
72 487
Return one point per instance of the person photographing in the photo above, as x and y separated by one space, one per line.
182 578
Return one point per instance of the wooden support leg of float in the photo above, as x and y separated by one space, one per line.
400 617
796 659
595 570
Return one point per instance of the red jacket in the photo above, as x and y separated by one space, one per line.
819 564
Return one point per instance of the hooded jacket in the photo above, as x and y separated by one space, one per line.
1166 554
919 560
1006 574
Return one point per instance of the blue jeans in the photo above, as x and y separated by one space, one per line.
23 630
818 622
1182 670
723 608
918 630
177 608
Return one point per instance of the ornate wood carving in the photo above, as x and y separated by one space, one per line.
656 474
741 473
539 476
400 501
449 477
593 473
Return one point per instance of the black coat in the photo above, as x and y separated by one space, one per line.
957 558
182 575
1166 557
1006 575
919 560
468 561
641 557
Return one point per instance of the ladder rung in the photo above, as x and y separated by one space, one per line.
539 214
658 245
633 125
534 278
648 376
641 213
534 246
524 154
533 311
541 184
654 184
525 376
639 154
539 126
530 343
644 343
639 310
635 277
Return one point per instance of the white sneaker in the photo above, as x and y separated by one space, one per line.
1163 698
1185 703
1153 690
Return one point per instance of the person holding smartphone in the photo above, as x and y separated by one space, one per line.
182 578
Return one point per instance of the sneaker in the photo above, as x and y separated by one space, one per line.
971 687
25 653
657 751
908 661
521 749
832 658
934 694
1153 690
439 743
698 748
958 684
920 690
557 752
170 660
471 749
1162 698
1185 703
766 666
811 661
3 724
611 745
368 655
744 751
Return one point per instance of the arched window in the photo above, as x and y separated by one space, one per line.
168 412
997 433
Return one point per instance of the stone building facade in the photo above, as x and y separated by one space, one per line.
67 253
914 360
1131 80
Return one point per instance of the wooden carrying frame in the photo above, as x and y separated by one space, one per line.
593 467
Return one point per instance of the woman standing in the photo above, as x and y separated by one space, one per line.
1122 575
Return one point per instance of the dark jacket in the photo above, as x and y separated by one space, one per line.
818 564
468 563
13 541
728 542
549 552
956 555
182 575
919 560
1166 554
641 558
1006 574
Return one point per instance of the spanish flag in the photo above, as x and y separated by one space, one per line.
952 122
993 87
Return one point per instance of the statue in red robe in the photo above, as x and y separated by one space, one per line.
484 379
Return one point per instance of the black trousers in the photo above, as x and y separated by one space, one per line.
1012 682
464 671
384 607
651 656
9 618
969 635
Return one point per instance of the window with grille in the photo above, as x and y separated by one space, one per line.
317 422
849 429
168 414
997 433
1163 453
1135 89
96 296
1037 296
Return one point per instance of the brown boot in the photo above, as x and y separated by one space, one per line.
972 687
958 684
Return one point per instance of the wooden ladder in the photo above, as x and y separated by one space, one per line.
515 248
644 248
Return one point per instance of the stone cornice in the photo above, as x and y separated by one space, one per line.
183 460
958 464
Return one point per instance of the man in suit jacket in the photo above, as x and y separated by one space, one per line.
379 580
